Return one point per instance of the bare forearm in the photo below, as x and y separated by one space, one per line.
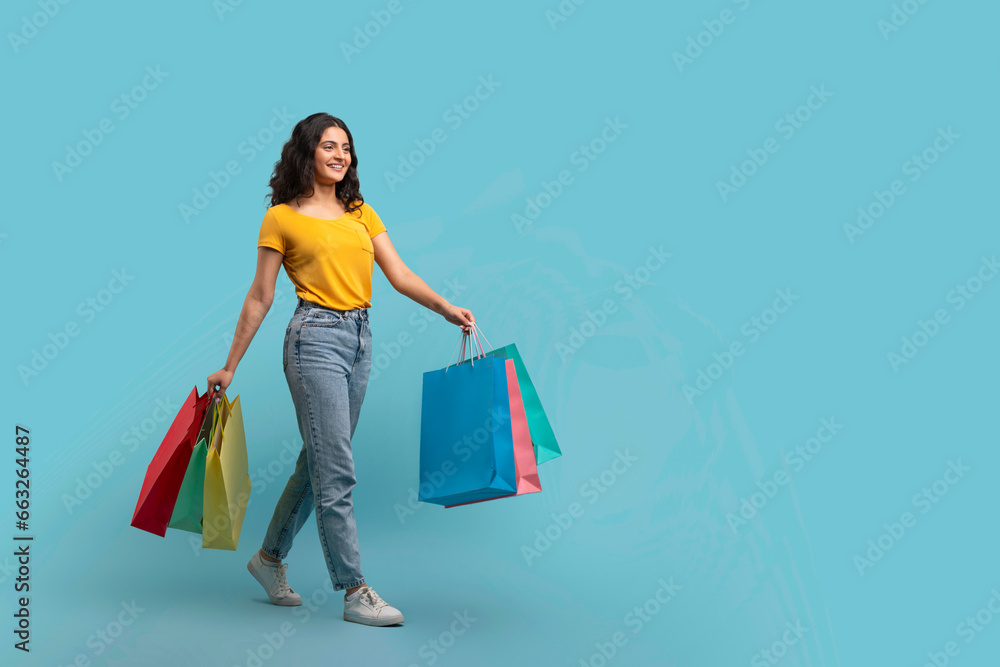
413 286
254 310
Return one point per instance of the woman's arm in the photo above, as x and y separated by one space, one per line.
255 307
409 284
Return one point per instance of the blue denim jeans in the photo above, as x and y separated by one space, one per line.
327 360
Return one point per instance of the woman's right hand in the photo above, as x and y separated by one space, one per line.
220 378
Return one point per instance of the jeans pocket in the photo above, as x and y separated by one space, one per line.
322 318
284 349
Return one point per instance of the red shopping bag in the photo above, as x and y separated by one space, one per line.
524 451
166 471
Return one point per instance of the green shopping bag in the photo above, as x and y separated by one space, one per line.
188 509
542 437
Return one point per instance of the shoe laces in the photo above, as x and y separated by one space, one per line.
373 598
282 589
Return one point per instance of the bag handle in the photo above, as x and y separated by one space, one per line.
205 431
460 340
219 423
461 354
473 342
479 332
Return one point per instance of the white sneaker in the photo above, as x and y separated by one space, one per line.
272 578
369 609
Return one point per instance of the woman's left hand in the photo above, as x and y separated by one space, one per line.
460 316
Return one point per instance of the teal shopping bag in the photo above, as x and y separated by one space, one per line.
187 513
542 437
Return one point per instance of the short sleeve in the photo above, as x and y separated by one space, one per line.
374 223
270 233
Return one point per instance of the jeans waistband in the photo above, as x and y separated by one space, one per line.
355 313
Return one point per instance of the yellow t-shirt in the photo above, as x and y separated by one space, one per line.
330 262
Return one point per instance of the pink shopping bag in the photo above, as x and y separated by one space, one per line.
524 452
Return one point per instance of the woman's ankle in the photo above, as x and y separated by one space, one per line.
268 557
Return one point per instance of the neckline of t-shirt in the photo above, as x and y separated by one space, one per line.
304 215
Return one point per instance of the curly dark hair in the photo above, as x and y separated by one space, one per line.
294 175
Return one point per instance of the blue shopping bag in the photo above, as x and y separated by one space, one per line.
466 441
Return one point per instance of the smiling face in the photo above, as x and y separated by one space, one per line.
333 156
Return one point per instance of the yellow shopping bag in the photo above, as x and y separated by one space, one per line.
227 479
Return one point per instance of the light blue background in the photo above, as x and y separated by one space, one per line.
621 391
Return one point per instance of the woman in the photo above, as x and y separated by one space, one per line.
328 239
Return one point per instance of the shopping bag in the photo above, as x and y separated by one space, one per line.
227 480
466 440
542 437
167 469
524 455
187 514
